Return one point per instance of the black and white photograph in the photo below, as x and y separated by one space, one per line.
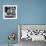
31 34
9 11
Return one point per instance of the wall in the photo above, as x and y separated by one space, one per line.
34 12
29 12
7 26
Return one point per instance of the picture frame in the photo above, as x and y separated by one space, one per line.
36 32
9 11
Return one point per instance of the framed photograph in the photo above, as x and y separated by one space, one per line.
9 11
31 32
